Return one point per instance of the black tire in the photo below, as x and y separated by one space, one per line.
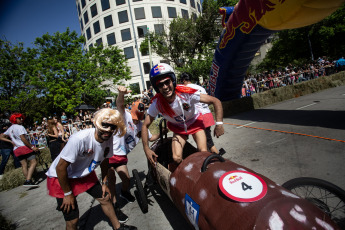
325 195
140 193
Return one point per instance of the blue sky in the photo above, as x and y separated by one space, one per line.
25 20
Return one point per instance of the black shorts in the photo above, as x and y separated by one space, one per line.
210 143
29 156
95 191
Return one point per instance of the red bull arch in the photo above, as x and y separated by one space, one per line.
247 26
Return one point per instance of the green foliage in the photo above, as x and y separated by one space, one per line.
292 46
57 74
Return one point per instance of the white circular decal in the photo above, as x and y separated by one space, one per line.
242 186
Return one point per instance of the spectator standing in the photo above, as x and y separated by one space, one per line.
53 142
61 132
22 147
6 148
64 119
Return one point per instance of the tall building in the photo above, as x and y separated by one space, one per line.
125 23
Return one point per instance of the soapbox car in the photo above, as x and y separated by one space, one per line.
214 193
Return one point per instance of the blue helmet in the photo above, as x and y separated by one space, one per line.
161 70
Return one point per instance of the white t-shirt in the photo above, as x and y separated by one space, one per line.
203 107
124 145
184 108
84 153
14 132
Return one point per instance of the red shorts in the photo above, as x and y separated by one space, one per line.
208 119
78 185
22 150
117 159
193 128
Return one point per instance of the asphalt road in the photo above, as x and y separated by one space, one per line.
281 141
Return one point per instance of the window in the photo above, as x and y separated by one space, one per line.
147 67
192 3
81 24
184 14
159 28
139 13
156 12
170 0
199 9
111 39
137 0
105 4
96 27
172 12
108 21
126 35
99 41
142 31
86 18
83 3
123 16
129 52
94 10
88 33
183 1
90 46
79 11
120 2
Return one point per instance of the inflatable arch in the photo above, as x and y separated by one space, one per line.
247 26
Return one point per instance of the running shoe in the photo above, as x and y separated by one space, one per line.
127 196
126 227
120 215
28 183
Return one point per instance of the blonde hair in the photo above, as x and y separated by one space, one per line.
110 116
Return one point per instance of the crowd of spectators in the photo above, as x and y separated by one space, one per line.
290 75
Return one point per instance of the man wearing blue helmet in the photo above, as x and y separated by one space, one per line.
177 105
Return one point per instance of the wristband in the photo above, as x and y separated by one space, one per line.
106 183
32 147
68 193
219 123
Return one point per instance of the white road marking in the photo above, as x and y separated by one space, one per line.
276 141
238 127
306 106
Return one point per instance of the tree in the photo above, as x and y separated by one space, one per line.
292 46
68 75
57 74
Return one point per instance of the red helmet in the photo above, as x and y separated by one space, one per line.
14 116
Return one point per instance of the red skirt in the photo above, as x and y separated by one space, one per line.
208 119
78 185
117 159
22 150
193 128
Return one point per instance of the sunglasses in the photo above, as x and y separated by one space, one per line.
107 125
20 118
161 84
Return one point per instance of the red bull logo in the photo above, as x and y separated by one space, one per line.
158 68
213 78
246 15
234 179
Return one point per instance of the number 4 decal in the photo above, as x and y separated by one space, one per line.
245 186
